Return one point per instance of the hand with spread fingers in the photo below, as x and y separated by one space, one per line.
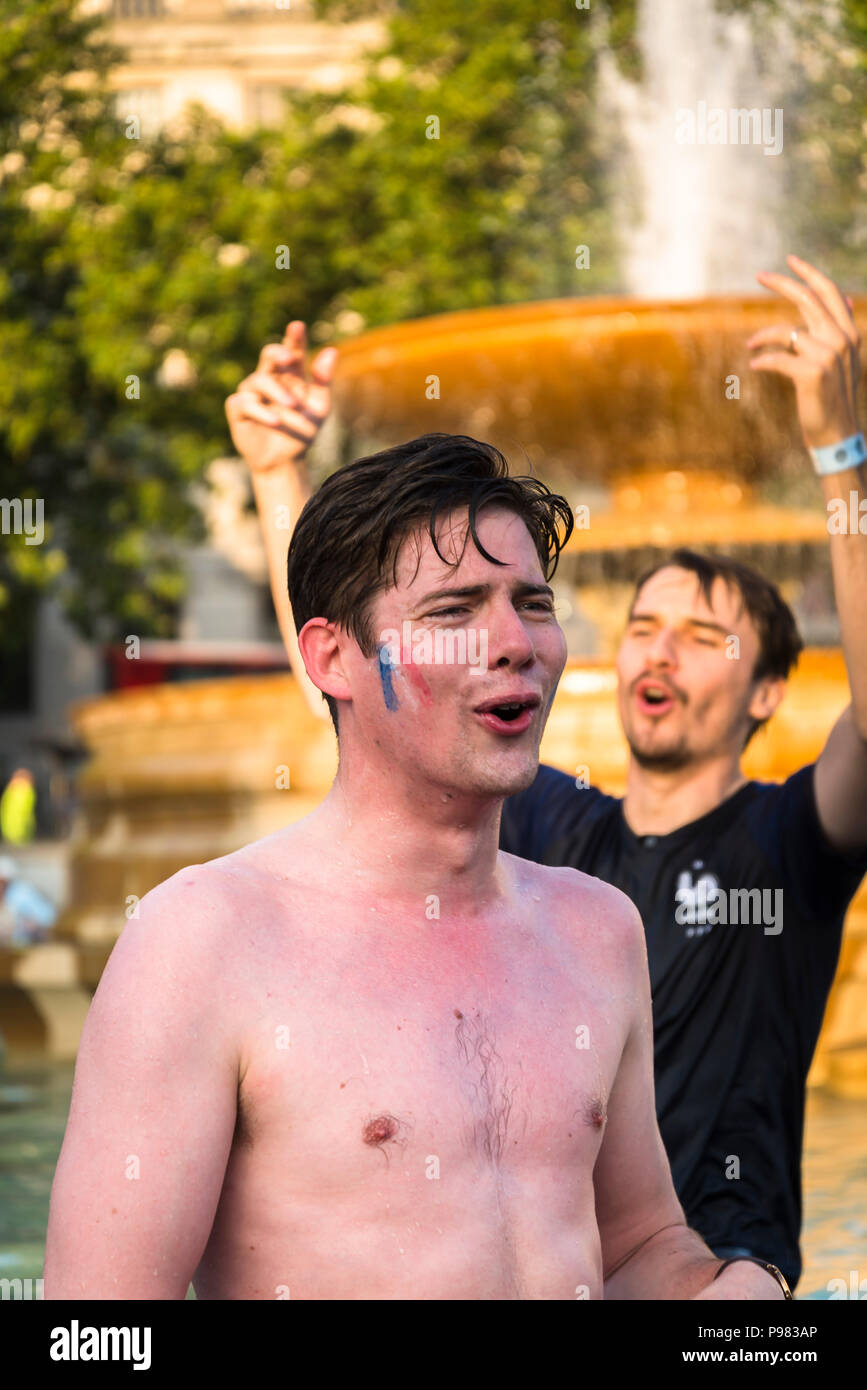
277 411
819 352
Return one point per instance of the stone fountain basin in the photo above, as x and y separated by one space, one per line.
596 386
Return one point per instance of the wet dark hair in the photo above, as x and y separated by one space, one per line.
780 642
345 546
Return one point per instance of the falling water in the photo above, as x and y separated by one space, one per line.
703 217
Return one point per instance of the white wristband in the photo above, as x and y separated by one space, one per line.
836 458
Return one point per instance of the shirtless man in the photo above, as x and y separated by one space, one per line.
371 1056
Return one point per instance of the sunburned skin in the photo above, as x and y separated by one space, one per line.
456 1139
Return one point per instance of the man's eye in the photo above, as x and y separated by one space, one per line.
707 641
540 604
447 612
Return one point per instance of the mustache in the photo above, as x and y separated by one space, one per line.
658 680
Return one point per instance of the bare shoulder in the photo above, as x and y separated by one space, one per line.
585 908
177 940
189 909
200 901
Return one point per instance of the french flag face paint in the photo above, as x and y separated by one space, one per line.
418 683
386 677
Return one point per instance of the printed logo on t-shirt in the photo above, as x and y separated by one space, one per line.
702 904
697 901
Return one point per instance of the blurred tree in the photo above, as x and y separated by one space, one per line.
139 277
68 436
826 137
485 157
138 280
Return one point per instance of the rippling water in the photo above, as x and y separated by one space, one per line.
34 1105
834 1239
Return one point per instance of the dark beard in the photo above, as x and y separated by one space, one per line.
667 760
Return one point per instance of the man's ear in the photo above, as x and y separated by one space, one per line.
321 653
767 696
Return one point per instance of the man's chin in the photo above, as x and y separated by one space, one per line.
506 781
522 780
659 757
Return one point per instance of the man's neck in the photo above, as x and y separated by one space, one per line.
409 842
658 801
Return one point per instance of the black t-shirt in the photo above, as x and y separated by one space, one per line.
739 981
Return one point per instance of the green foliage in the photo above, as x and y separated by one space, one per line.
826 124
489 206
64 437
121 257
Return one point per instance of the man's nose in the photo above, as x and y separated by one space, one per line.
662 651
509 642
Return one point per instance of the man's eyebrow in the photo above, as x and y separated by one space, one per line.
712 627
521 589
690 622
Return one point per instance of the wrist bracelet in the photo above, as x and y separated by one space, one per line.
836 458
763 1264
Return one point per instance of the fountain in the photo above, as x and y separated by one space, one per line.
644 413
701 203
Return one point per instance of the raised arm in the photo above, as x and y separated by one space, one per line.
823 362
153 1107
274 416
648 1251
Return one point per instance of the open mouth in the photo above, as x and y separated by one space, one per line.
509 716
508 712
654 698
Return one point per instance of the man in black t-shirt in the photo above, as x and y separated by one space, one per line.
742 886
737 1004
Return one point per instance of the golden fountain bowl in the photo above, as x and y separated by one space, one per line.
594 386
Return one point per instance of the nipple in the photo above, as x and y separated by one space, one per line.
379 1130
596 1114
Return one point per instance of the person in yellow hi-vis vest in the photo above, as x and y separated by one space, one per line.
18 808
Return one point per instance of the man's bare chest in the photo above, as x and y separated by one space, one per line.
362 1069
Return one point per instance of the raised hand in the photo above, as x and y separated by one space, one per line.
820 352
277 411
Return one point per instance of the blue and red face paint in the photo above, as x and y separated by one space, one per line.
386 670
